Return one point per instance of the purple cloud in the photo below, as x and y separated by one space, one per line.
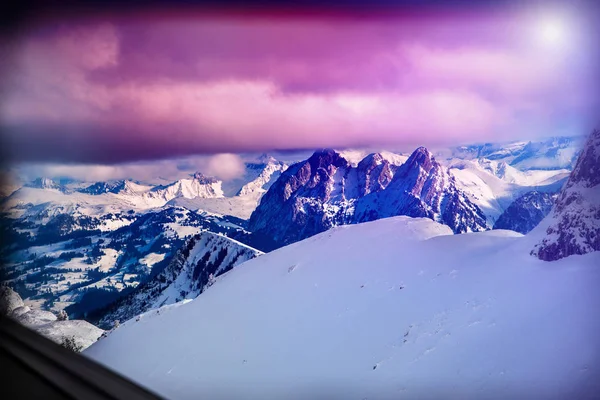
118 90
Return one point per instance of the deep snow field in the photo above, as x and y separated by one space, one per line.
395 308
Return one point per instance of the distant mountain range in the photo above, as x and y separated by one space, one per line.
81 246
549 154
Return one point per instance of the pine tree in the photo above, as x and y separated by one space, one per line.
69 343
62 316
211 280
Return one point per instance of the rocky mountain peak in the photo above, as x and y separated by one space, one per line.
422 158
372 159
266 159
587 168
326 190
573 226
325 158
203 179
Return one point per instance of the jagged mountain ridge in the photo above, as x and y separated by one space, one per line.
326 190
573 226
313 195
185 277
422 187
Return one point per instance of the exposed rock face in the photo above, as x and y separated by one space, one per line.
308 198
526 212
9 300
573 227
423 188
374 174
203 179
325 190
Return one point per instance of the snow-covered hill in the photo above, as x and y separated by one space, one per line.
573 226
396 308
202 257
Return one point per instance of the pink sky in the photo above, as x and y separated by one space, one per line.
147 86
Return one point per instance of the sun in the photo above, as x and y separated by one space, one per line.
551 31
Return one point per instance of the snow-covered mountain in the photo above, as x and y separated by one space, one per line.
422 187
267 171
44 183
526 212
573 226
79 246
316 194
494 185
393 308
553 153
198 186
82 333
326 190
242 194
202 257
84 272
145 196
117 187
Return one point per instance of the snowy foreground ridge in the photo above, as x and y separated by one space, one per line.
396 308
82 333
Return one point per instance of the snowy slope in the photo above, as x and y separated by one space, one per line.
494 185
381 310
238 206
185 277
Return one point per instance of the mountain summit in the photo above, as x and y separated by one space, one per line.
422 187
326 190
573 227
